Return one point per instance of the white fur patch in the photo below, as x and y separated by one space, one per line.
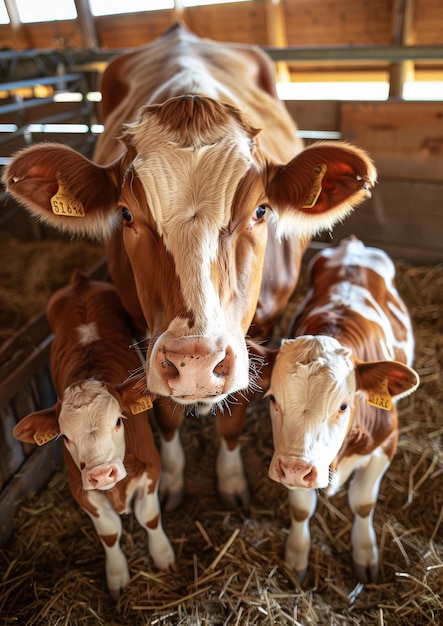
87 333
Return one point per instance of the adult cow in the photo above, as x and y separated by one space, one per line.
193 201
333 393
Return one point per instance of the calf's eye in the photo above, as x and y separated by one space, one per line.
118 423
343 407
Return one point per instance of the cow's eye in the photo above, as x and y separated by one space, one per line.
64 437
118 423
343 407
272 399
126 214
259 213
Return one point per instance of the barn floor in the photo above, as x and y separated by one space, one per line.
230 563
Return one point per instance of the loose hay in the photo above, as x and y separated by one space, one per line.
230 563
31 270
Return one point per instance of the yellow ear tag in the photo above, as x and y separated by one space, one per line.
316 186
143 404
64 204
43 436
380 396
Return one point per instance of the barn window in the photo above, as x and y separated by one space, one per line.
200 3
46 10
113 7
4 17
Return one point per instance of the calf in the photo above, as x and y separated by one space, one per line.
333 391
109 451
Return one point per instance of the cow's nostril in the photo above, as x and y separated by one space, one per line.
224 367
168 369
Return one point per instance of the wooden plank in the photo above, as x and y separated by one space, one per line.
33 475
315 115
405 139
12 454
402 217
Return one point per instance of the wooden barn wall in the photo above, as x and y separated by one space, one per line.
306 22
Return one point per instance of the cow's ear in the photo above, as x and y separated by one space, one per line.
319 187
65 189
133 396
39 427
383 381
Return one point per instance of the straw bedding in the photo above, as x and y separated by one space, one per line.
230 563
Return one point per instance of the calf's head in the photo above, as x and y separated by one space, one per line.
312 393
191 197
90 418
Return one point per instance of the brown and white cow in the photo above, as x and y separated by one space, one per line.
333 391
207 200
113 464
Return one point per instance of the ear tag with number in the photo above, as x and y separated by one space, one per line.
316 186
380 396
142 404
43 436
66 205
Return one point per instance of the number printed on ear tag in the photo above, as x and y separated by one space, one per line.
380 396
66 205
41 437
143 404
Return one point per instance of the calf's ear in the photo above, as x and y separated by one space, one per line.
64 189
133 396
383 381
39 427
319 187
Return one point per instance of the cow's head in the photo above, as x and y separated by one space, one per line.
90 418
312 393
194 195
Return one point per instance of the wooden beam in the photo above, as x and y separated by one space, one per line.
403 35
276 30
87 24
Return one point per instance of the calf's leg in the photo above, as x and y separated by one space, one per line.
302 505
362 497
147 512
108 527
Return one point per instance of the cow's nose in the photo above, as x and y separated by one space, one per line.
195 369
296 473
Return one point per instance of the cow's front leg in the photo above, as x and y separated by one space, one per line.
302 504
231 481
172 483
362 498
108 527
147 512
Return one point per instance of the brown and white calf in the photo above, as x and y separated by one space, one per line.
206 199
113 464
333 391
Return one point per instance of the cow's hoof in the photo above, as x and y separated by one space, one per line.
366 573
170 500
235 501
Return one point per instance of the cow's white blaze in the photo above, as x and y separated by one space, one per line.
190 194
91 423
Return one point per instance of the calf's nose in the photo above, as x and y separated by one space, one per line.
295 473
102 477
